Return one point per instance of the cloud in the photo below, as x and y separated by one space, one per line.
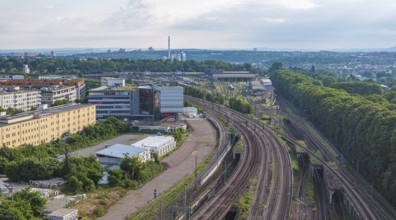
201 24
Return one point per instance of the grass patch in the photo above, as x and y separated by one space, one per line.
314 160
99 201
239 147
310 191
245 201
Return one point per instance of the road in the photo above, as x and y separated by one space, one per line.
180 164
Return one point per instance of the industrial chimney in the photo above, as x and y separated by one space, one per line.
169 47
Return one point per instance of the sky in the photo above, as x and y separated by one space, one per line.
203 24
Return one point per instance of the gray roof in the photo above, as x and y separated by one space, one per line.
26 116
62 212
120 151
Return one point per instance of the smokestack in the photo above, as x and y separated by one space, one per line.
169 47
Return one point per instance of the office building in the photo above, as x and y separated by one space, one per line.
142 102
49 95
45 125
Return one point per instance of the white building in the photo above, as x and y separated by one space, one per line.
53 93
112 82
190 112
26 69
158 144
114 154
23 99
63 214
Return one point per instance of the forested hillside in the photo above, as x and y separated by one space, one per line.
63 65
361 127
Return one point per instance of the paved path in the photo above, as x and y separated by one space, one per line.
180 164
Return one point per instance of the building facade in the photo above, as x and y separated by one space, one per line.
158 144
23 100
113 155
50 95
116 102
37 84
45 125
112 82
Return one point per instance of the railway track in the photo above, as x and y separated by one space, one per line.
274 201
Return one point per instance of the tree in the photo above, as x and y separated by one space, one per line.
132 166
74 185
116 177
275 67
34 199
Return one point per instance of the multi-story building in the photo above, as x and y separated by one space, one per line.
143 102
171 99
54 93
121 102
17 99
37 84
45 125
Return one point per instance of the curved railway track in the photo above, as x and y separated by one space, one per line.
274 186
278 198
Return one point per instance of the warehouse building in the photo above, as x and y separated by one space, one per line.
234 76
45 125
157 144
113 155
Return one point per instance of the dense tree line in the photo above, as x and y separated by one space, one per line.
363 129
134 172
65 65
237 103
359 88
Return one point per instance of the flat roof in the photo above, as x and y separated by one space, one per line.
18 91
26 116
120 151
226 75
153 141
119 88
62 212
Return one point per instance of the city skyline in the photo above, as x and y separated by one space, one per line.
205 24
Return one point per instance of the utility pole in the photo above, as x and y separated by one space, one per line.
196 170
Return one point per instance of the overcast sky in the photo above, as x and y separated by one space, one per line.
227 24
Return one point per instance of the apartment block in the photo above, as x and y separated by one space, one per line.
45 125
24 99
37 84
